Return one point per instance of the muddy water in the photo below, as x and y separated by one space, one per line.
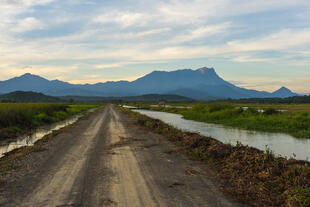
29 140
279 143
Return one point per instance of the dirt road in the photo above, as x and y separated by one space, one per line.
107 160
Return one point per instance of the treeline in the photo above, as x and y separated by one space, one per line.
34 97
290 100
27 96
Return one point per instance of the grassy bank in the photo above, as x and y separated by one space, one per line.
10 161
20 118
249 175
291 121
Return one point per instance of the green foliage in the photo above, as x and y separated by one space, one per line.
294 122
198 154
77 108
239 144
290 100
269 154
39 118
27 97
251 111
270 111
16 118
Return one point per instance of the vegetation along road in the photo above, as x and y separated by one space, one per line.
106 159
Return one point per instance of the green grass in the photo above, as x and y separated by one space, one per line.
18 118
294 122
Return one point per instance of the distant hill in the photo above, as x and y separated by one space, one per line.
200 84
283 92
142 98
29 96
22 96
288 100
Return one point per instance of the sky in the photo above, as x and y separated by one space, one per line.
255 44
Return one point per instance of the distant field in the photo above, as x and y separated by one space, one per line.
293 119
289 107
19 118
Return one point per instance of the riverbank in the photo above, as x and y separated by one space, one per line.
250 175
10 161
17 119
265 118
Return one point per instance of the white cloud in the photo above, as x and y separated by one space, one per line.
277 41
202 32
161 31
106 66
9 15
23 3
238 51
194 10
28 24
150 32
48 71
125 19
247 58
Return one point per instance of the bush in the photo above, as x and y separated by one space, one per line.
270 111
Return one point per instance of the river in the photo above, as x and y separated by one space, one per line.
280 143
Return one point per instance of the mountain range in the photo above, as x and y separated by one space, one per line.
200 84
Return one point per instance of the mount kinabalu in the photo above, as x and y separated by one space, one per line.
202 83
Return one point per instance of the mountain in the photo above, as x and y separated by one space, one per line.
283 92
24 96
202 84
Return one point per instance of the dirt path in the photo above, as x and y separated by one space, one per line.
107 160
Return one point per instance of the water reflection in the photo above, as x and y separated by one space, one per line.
29 140
128 107
279 143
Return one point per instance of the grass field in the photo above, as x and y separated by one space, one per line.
19 118
293 119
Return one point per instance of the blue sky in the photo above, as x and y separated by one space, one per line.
255 44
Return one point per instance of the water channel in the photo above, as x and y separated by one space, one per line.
280 143
29 140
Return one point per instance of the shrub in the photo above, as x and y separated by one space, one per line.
270 111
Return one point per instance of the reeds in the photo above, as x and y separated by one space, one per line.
18 118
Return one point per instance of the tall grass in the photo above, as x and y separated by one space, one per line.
17 118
